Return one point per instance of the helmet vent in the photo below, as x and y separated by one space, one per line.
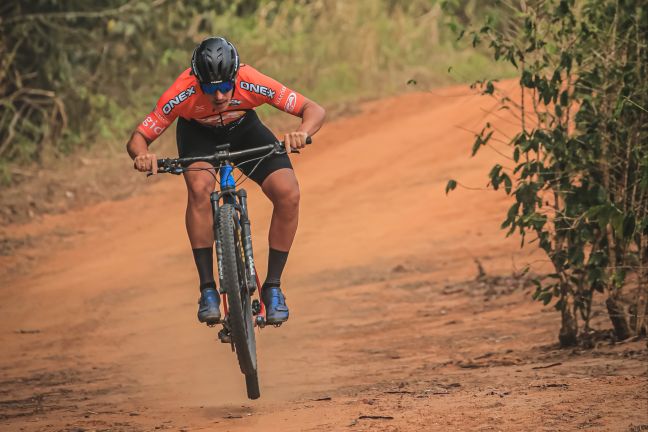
215 60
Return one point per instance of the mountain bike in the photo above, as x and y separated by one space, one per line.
237 276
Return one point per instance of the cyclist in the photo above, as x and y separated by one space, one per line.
214 103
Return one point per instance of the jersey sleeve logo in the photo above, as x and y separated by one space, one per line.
291 102
178 99
281 95
152 124
256 88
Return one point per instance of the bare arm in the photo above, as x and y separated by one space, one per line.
137 148
313 116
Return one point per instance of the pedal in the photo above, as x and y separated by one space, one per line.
225 336
260 321
256 307
277 324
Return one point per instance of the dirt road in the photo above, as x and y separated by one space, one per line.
390 328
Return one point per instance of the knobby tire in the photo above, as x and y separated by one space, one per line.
234 282
252 385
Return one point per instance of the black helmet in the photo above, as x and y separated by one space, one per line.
215 60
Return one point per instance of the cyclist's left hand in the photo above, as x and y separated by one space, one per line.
295 140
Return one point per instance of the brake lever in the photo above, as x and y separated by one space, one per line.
171 170
281 144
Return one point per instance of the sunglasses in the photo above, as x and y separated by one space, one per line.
222 87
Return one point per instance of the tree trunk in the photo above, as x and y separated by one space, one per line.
641 301
641 308
568 335
618 318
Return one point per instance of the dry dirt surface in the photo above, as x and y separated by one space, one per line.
392 327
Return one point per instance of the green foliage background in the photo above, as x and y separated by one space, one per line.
76 72
578 171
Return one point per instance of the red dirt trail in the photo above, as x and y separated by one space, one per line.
390 329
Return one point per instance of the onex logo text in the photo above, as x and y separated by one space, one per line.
178 99
256 88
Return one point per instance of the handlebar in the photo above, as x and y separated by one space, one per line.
178 165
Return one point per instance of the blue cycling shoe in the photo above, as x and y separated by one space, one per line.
209 306
275 303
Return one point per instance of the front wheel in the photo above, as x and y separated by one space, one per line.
252 385
232 275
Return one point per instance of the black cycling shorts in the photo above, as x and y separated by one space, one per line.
194 139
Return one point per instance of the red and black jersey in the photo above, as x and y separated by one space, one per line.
185 99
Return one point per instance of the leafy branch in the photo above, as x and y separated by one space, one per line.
581 179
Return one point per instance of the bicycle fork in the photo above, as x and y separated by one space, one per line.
258 308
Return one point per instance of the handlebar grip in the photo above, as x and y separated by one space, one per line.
309 140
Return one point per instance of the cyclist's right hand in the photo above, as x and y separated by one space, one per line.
146 162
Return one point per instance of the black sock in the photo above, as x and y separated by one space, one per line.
276 263
205 264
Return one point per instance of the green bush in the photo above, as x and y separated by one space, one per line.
579 177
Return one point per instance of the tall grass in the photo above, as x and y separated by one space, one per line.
339 51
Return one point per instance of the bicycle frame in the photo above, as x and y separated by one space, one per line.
236 198
232 218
